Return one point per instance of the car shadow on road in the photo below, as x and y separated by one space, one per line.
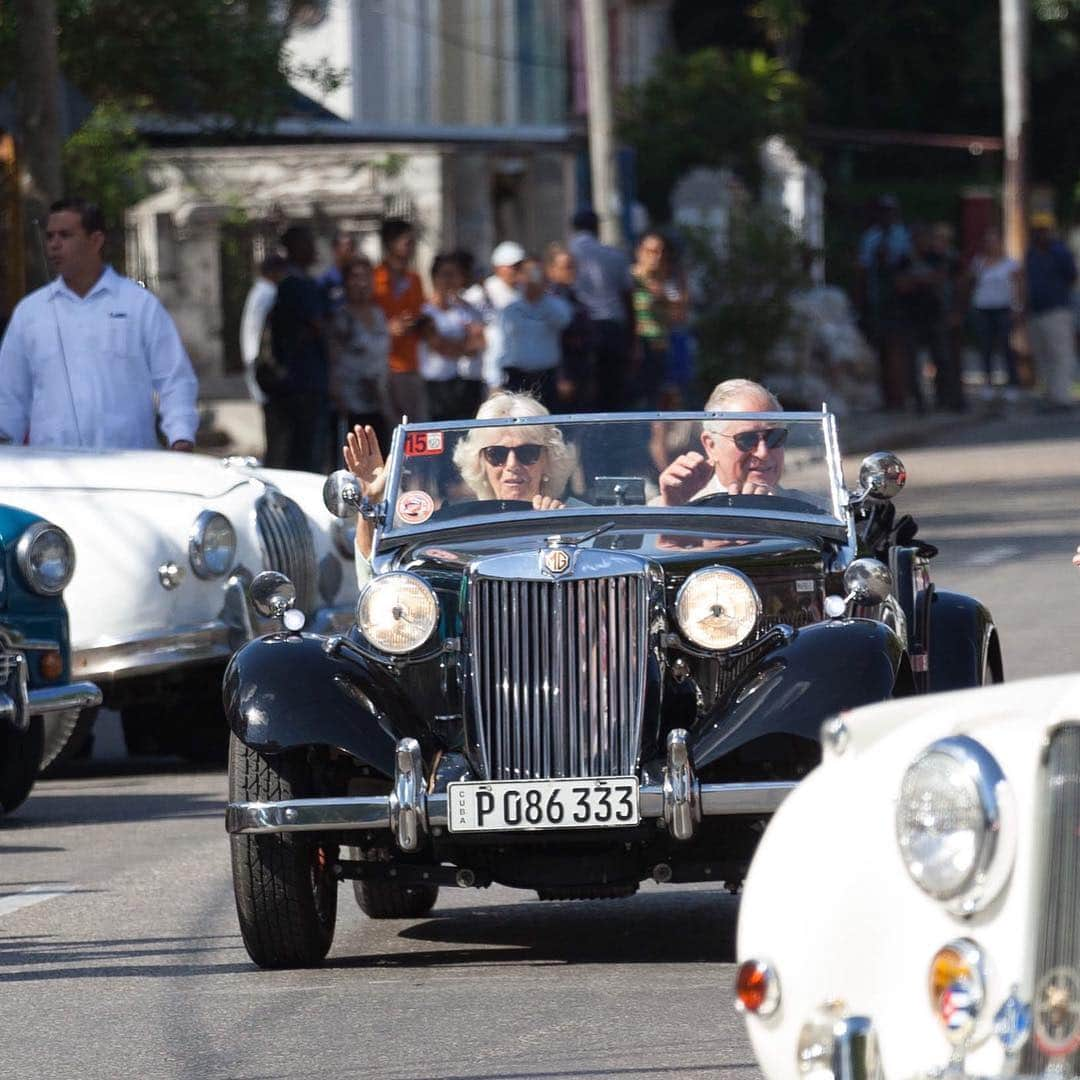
50 958
676 926
107 807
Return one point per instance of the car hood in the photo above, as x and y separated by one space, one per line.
673 548
46 469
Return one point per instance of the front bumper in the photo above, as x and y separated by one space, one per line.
18 703
410 812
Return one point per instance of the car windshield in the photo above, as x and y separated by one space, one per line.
782 465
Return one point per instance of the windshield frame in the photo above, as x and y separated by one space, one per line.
833 524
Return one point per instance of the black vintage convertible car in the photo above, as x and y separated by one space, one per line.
577 688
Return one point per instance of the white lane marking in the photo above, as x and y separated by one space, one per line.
34 895
994 555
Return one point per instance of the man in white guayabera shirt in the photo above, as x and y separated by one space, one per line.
92 359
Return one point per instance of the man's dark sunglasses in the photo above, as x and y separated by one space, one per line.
773 438
527 454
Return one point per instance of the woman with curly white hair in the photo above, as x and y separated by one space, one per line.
530 463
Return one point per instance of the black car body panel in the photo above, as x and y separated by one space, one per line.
286 690
964 648
784 695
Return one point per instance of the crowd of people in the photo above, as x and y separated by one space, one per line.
580 326
916 296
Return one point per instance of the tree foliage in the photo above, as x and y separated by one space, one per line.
221 60
745 288
709 108
916 66
105 161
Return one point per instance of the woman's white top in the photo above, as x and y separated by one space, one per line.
993 282
453 324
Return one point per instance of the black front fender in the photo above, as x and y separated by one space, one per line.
964 648
826 668
285 690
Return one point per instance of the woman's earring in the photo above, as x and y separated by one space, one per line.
545 479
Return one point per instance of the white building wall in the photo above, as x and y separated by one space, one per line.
329 42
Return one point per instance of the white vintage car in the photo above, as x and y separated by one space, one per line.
165 546
913 908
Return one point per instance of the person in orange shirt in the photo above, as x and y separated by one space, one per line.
401 296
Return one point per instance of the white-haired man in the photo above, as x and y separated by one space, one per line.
742 457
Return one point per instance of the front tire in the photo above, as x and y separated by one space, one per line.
286 895
391 900
20 761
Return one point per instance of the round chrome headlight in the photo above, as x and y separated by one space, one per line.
717 608
46 558
956 824
211 545
397 612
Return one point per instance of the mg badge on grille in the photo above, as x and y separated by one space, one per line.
556 561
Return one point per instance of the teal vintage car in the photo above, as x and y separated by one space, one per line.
35 654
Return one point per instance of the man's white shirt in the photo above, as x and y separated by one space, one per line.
95 370
260 299
489 299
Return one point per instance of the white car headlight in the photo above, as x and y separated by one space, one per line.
211 545
717 608
956 824
46 558
397 612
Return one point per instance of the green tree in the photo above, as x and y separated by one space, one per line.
746 290
105 160
223 61
709 108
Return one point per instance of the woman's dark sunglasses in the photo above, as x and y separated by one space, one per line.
773 438
527 454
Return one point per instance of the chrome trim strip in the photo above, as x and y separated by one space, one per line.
760 797
150 653
360 812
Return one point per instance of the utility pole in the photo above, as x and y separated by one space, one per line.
594 14
1014 89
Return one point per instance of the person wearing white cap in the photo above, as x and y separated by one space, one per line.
490 296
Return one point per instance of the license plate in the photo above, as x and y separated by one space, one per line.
508 805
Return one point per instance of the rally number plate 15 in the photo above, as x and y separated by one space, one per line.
511 805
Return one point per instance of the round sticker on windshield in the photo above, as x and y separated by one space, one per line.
415 507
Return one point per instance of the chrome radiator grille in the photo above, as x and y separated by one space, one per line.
1057 950
7 665
287 545
558 675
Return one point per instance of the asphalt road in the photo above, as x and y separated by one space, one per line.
120 956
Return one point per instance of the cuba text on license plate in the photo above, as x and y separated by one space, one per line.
502 805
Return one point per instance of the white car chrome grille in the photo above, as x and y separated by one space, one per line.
1055 1006
287 545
